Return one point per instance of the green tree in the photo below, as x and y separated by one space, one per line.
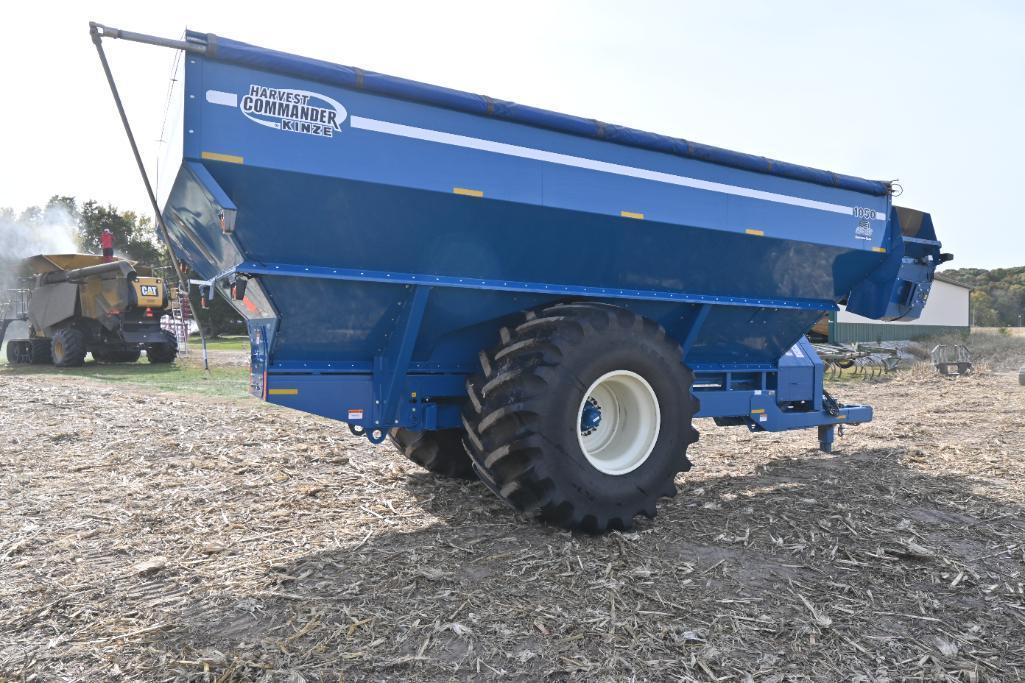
983 313
134 237
998 295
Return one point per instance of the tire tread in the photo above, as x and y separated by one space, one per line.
441 452
506 401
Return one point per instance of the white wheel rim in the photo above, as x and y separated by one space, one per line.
627 426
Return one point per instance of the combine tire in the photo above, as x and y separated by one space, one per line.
440 452
162 353
39 352
582 415
68 348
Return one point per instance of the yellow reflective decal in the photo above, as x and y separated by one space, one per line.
217 156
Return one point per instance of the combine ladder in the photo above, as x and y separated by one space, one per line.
180 318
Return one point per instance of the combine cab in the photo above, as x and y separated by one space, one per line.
75 304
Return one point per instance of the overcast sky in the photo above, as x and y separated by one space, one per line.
930 93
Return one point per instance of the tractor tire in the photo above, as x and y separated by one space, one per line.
440 452
162 353
68 348
582 415
39 352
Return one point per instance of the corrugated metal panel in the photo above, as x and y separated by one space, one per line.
850 333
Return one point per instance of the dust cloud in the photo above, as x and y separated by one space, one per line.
45 231
51 231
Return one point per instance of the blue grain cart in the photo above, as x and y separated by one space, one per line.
544 301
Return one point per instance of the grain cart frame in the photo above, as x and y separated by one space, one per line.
83 303
559 296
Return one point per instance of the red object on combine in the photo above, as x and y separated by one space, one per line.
107 244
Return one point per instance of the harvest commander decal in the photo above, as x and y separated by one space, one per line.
295 111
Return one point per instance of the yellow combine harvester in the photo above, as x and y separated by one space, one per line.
82 303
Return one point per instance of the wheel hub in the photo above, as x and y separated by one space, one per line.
619 421
590 418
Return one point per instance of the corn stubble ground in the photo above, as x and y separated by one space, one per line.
160 537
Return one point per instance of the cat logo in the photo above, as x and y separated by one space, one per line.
148 290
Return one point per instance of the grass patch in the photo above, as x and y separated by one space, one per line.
179 377
228 343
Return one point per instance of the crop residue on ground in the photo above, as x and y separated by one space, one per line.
162 537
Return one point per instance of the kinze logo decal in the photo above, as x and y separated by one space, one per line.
295 111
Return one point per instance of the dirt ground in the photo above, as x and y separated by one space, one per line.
168 537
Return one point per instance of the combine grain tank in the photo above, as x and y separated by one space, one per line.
559 296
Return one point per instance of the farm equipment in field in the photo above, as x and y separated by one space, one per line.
951 360
75 304
861 360
13 309
543 301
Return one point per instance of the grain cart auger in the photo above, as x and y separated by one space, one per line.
559 296
76 304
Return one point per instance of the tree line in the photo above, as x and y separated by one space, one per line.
998 295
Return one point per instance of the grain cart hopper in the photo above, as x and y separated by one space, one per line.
560 296
82 303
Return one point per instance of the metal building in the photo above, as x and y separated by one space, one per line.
947 310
